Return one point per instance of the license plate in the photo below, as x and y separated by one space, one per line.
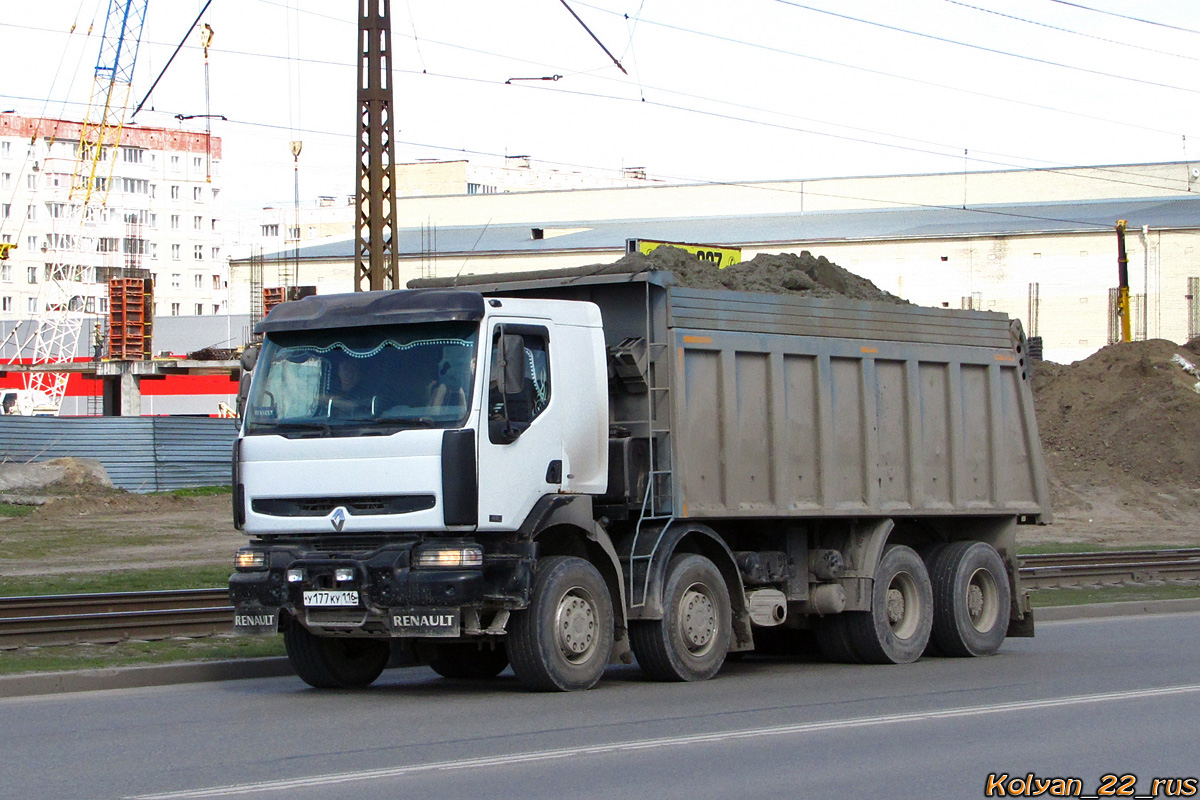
326 598
425 622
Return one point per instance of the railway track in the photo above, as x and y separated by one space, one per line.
99 618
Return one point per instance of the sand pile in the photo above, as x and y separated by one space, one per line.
1126 409
785 273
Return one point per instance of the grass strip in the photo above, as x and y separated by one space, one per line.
134 580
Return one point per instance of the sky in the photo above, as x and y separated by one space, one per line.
714 91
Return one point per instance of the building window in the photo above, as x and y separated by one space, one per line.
198 281
199 309
5 149
154 250
293 232
132 155
198 252
6 210
6 273
197 162
175 163
154 221
103 305
31 274
270 230
153 191
31 212
216 281
216 309
31 244
479 188
216 253
174 191
214 223
6 304
174 309
198 223
176 251
197 193
174 222
31 304
175 276
31 181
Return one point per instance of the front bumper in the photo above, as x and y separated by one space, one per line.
394 598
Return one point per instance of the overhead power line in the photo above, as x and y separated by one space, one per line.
995 51
1126 16
1060 29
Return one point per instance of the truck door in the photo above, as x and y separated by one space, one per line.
520 442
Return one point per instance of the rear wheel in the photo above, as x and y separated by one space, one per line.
897 627
562 642
469 660
326 663
690 642
971 597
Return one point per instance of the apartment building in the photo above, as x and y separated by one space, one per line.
147 207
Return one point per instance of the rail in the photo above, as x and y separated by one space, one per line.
100 618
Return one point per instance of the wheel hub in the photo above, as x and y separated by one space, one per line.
576 626
698 620
895 606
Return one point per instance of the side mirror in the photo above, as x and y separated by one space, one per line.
512 363
249 358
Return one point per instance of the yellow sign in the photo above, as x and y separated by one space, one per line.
721 257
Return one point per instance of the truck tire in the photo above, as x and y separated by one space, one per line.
971 597
562 642
897 628
690 642
326 663
469 660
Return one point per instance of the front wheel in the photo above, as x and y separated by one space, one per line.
327 663
896 629
690 642
562 642
971 597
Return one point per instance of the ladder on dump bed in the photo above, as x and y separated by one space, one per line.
658 501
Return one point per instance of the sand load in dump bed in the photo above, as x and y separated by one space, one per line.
785 273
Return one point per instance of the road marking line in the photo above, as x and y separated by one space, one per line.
666 741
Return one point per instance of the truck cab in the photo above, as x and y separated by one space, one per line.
366 429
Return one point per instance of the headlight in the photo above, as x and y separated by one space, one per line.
449 557
295 575
248 558
343 574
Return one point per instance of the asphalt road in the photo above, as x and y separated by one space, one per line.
1084 699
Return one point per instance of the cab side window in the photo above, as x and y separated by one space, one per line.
519 387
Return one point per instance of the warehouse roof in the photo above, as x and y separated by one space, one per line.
908 222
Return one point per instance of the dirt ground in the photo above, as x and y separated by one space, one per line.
1120 431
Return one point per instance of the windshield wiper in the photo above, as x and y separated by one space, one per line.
423 422
322 427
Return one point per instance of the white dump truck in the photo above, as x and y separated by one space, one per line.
564 470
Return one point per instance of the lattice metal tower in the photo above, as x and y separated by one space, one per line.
376 265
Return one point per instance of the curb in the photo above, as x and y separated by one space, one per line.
92 680
1124 608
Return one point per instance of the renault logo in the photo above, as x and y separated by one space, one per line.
338 519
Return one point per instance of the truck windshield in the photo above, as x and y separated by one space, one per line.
363 381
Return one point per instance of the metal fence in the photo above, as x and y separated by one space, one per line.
141 454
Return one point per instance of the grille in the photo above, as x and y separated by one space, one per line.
355 506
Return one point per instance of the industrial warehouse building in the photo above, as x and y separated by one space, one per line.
1037 244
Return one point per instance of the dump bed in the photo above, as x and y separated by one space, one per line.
777 405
